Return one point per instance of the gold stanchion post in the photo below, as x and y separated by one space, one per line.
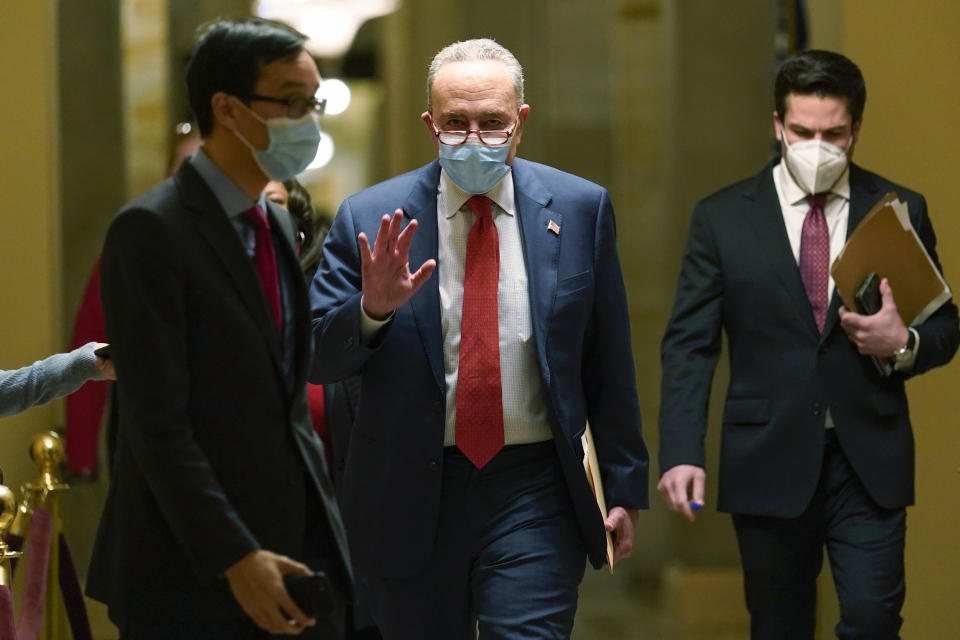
8 509
47 450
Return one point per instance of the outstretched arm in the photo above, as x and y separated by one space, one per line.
48 379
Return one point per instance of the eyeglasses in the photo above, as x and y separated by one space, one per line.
296 107
489 138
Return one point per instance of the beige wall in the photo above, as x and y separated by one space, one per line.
30 260
909 54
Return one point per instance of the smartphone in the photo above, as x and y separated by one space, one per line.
103 352
312 592
869 301
867 297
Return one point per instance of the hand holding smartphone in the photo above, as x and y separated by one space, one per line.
312 592
867 296
868 301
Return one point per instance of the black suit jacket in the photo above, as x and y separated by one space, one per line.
739 275
215 451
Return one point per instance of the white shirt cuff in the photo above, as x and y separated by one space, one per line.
370 327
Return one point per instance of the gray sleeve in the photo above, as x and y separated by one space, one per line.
48 379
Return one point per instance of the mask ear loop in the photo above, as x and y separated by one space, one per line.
249 110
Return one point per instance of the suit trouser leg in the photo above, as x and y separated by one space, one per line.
508 559
782 557
865 545
781 560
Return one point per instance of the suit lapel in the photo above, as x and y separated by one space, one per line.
540 247
221 235
421 205
765 217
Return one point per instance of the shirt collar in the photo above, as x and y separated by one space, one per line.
794 195
231 197
454 197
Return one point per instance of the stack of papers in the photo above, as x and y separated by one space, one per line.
885 242
592 468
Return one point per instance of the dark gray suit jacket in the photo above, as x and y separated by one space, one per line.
215 451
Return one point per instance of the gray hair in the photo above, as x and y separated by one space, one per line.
478 49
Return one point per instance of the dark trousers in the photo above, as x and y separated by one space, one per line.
508 558
782 557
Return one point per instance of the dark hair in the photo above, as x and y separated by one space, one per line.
228 56
821 73
311 225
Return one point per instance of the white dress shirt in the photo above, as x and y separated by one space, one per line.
794 206
524 413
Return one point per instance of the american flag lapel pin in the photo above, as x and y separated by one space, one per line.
553 228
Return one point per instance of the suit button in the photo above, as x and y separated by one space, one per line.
817 408
348 342
433 465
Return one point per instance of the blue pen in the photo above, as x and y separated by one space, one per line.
696 506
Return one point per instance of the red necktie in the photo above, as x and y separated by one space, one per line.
266 261
479 418
815 257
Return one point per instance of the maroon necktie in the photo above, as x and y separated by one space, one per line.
266 261
815 257
479 418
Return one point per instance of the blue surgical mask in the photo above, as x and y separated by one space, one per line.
293 145
475 167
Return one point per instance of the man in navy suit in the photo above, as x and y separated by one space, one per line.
488 324
817 446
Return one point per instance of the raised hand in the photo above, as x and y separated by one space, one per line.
387 281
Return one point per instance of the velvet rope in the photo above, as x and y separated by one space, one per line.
7 629
69 586
35 580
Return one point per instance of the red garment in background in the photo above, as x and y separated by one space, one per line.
318 416
85 406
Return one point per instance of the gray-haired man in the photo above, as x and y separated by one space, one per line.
464 494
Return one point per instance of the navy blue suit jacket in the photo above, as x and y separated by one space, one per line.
391 490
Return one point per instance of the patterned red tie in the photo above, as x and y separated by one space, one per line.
266 261
479 418
815 257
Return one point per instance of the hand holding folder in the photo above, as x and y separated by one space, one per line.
885 243
592 469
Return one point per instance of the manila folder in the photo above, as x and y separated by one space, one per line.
886 242
592 468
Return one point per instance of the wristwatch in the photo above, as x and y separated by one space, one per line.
904 354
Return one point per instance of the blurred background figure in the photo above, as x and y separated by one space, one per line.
86 407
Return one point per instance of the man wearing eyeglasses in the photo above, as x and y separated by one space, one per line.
488 323
218 489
